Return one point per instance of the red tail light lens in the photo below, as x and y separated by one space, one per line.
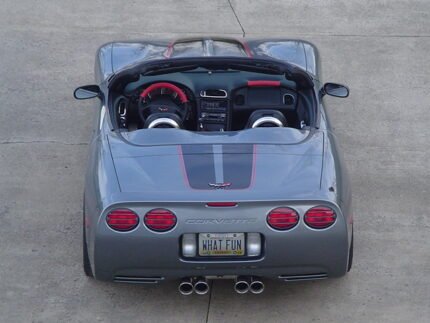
320 217
283 218
160 220
122 220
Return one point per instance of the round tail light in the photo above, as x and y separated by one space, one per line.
283 218
320 217
122 220
160 220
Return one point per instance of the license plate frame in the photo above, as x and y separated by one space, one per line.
222 245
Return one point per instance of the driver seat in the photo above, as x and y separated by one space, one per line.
266 118
163 120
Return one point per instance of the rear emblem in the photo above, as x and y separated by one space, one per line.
219 186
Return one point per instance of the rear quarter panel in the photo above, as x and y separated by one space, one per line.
100 180
335 177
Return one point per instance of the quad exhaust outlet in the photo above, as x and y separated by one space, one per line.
256 286
241 286
200 285
248 284
188 285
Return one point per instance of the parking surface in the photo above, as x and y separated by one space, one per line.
379 48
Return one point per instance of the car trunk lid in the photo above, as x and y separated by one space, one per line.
189 171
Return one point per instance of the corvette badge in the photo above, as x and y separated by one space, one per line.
219 186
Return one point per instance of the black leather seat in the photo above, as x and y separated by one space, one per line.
266 118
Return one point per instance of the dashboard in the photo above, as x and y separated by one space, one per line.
230 112
219 101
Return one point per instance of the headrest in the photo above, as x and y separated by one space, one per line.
266 118
163 120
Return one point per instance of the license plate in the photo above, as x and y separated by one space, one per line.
222 244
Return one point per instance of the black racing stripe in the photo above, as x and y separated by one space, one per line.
238 165
199 165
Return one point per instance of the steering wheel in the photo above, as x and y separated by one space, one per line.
163 106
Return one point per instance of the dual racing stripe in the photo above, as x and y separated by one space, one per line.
218 166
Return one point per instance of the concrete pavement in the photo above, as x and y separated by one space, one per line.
379 48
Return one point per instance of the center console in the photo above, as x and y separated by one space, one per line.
213 115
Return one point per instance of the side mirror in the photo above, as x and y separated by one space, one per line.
334 89
87 92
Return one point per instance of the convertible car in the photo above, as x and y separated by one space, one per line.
213 158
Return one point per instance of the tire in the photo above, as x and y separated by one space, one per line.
86 259
351 252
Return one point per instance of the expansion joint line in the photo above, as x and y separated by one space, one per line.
237 18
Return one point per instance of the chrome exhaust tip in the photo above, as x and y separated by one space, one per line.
256 286
201 286
241 286
186 286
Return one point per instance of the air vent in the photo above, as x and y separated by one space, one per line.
288 99
138 280
239 99
222 94
291 278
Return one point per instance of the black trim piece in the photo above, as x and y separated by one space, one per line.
138 280
290 278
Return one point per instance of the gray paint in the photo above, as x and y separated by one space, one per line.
141 170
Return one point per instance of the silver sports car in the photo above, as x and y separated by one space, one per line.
213 158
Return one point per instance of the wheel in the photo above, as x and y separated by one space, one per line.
86 259
351 252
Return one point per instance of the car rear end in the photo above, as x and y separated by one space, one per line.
244 211
284 240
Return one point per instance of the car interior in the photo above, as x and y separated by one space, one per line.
211 101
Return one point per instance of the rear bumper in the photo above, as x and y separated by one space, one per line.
145 256
320 266
149 276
